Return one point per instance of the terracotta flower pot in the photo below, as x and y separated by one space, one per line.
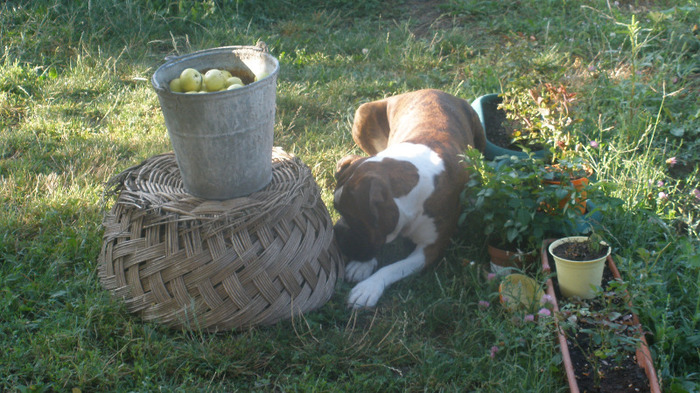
643 355
579 185
504 261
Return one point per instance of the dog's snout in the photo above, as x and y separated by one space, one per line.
353 244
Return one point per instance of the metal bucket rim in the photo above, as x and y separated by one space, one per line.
172 61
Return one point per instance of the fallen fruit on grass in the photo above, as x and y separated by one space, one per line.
519 291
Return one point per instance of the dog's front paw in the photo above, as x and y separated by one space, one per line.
366 293
357 271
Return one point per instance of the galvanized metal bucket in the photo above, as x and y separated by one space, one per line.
222 140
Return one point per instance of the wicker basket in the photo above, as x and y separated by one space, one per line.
187 262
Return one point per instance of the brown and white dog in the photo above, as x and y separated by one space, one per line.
410 186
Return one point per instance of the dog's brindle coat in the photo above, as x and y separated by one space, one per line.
409 186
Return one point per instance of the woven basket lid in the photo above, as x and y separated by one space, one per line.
187 262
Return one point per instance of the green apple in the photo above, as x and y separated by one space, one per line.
215 80
234 86
175 86
262 75
226 74
190 80
234 80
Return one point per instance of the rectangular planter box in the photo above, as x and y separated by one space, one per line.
644 359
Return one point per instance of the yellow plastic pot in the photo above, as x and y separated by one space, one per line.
578 278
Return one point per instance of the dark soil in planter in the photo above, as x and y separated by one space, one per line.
579 251
617 375
621 374
500 129
498 134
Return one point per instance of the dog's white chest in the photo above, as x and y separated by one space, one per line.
413 222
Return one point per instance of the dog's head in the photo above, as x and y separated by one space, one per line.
365 201
364 196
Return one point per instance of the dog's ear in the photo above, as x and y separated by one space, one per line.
341 169
382 209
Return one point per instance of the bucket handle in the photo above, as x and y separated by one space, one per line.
260 45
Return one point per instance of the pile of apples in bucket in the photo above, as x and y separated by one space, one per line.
192 81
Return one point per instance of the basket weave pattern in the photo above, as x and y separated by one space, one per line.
218 265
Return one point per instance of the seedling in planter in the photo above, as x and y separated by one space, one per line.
601 329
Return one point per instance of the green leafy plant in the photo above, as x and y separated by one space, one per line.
507 200
595 242
574 167
543 116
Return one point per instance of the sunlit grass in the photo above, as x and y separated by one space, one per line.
77 107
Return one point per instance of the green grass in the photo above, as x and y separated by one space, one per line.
77 107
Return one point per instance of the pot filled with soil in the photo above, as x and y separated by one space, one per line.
499 131
580 261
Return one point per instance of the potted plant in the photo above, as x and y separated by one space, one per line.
499 130
525 121
601 340
580 261
545 117
506 200
576 174
542 116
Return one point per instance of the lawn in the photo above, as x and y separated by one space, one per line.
77 107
